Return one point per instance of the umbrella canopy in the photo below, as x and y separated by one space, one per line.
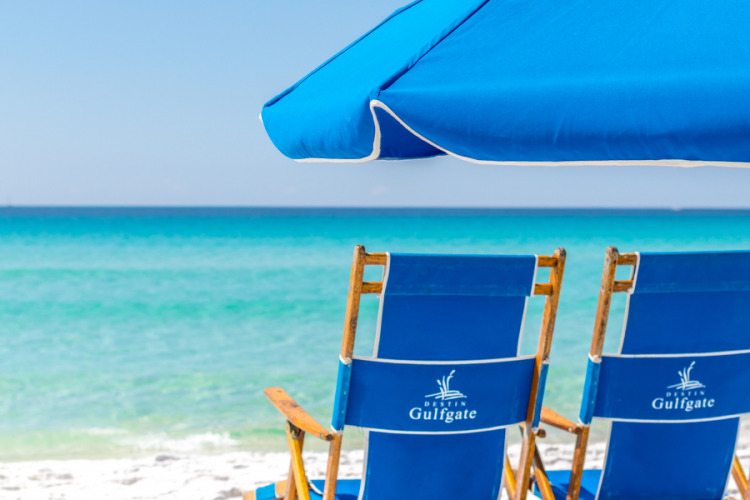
531 82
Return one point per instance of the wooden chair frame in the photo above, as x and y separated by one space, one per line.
608 286
300 422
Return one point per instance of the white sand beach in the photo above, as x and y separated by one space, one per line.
208 477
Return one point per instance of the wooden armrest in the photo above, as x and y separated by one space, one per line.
540 432
554 419
295 414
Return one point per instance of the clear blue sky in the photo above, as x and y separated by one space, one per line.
156 103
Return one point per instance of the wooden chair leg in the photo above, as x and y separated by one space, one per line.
576 473
298 478
510 479
524 465
739 478
542 481
542 358
332 471
291 486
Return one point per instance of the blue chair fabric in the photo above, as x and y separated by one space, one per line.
560 480
440 318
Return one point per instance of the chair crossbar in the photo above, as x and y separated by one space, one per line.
372 287
381 259
627 259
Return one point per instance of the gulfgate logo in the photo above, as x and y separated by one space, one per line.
688 395
446 393
447 405
685 383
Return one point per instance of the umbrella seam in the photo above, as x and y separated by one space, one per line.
394 78
339 53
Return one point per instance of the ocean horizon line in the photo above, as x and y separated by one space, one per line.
357 211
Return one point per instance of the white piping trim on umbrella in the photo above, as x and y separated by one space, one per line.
378 136
375 143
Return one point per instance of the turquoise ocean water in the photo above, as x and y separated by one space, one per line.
132 331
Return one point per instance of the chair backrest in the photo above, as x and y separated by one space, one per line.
676 389
445 379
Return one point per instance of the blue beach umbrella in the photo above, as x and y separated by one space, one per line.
537 82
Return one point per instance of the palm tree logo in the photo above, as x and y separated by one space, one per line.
445 391
686 384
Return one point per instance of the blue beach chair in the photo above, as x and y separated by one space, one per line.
674 392
443 385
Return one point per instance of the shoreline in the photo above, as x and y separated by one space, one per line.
216 476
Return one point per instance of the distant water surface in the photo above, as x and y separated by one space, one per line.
131 331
